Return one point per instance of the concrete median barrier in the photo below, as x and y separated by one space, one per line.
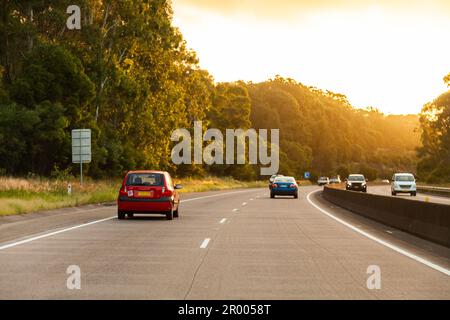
430 221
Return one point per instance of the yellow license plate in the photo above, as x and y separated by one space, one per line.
145 193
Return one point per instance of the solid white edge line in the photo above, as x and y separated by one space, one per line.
205 243
17 243
382 242
6 246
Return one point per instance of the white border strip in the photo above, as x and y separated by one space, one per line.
382 242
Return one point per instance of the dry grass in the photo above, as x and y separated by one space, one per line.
19 195
214 183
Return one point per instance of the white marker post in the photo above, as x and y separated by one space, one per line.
81 148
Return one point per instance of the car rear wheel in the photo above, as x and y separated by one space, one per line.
296 196
176 213
169 215
413 194
393 193
120 215
130 215
272 195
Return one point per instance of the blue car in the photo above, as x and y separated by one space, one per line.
284 186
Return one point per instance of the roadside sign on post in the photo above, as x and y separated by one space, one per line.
307 175
81 148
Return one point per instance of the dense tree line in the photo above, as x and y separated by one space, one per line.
321 132
127 74
434 154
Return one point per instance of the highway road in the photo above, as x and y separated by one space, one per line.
386 191
237 244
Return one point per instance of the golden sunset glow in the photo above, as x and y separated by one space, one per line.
391 55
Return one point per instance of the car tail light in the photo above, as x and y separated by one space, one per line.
166 192
274 185
292 186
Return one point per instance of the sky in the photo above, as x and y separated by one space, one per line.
387 54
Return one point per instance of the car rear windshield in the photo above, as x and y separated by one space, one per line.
356 178
404 178
145 179
285 179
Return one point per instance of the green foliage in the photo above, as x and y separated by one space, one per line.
61 174
434 164
231 107
126 74
16 129
343 171
231 110
369 172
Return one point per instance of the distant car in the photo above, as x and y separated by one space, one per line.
403 183
335 179
272 178
385 181
356 182
284 186
323 181
148 192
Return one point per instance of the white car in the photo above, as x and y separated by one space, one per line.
323 181
335 179
356 182
403 183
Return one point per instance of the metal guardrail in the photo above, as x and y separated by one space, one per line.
434 190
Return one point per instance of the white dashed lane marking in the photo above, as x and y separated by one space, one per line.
205 243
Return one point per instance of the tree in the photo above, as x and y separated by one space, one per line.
231 110
16 127
434 164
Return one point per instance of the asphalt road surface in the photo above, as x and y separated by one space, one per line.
386 191
225 245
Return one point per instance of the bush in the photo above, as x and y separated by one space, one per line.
369 172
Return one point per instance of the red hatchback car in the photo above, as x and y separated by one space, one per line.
148 192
